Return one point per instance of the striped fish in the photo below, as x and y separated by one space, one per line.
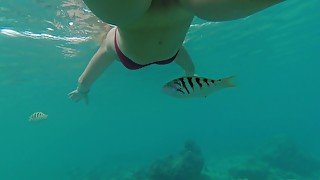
194 86
37 116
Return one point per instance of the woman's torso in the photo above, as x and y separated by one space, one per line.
154 33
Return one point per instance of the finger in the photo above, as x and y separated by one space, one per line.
72 95
72 92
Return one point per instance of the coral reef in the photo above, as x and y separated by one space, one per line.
187 166
278 159
251 170
284 155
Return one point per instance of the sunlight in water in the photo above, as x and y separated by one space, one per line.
68 21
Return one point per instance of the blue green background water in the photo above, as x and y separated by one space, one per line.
129 122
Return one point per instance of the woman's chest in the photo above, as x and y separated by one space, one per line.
163 14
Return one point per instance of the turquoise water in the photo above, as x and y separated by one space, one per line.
272 114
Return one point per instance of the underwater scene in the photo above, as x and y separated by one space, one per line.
266 127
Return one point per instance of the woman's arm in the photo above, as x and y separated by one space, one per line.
98 63
225 10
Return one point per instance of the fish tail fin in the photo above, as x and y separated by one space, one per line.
228 82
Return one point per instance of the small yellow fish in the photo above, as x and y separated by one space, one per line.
37 116
195 86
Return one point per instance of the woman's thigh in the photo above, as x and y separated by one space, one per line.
225 10
118 12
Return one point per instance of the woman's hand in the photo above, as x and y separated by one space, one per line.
79 94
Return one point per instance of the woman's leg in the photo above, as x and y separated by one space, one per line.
118 12
224 10
185 62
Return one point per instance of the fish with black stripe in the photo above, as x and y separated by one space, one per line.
195 86
37 116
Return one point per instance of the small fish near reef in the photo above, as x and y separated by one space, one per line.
38 116
195 86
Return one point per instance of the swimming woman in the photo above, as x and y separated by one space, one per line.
152 32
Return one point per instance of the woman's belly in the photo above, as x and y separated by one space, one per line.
157 35
149 30
145 46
